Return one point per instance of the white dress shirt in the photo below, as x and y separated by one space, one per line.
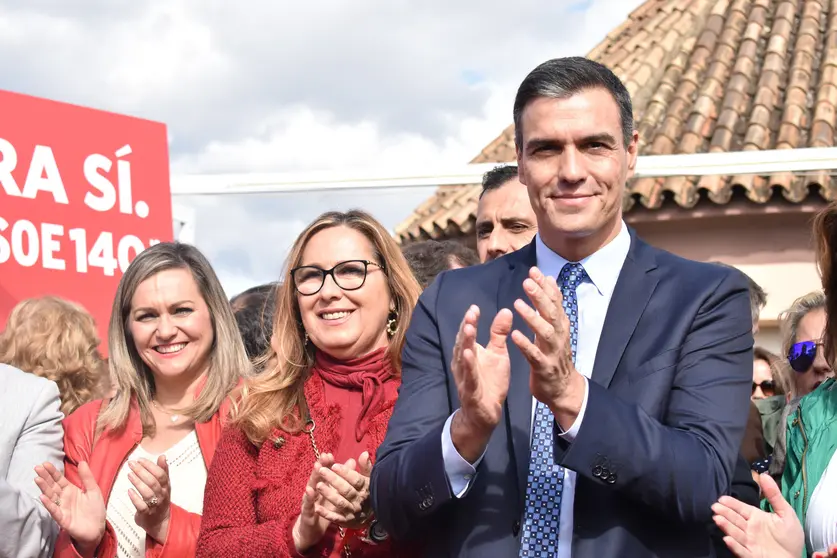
594 294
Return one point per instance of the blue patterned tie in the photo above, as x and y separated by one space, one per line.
546 479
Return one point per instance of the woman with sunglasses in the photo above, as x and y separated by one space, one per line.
291 477
802 327
800 518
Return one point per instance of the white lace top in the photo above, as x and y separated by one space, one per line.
187 477
821 519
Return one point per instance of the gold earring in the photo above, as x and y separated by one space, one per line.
392 323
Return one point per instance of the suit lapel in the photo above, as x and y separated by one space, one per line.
519 400
630 297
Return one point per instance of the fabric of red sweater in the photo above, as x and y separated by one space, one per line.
253 494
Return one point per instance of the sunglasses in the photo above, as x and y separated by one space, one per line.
768 387
801 355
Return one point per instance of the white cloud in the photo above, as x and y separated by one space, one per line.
258 85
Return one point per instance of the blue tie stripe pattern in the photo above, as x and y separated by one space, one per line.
545 482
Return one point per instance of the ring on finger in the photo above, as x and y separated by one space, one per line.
153 501
57 502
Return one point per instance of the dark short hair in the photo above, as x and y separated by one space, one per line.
429 258
560 78
758 298
497 177
253 310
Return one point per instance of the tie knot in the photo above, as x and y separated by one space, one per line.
572 274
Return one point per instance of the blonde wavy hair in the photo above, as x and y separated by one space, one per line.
276 397
227 363
789 329
56 339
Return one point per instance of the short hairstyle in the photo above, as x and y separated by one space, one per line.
561 78
253 310
56 339
227 363
276 397
758 298
429 258
497 177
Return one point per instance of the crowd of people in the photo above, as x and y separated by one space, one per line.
563 390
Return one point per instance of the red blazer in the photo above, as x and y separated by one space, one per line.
253 495
107 455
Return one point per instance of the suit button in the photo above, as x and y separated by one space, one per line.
515 528
597 471
611 478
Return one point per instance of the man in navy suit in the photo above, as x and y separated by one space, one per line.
611 422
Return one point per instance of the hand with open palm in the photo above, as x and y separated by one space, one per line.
482 380
753 533
79 511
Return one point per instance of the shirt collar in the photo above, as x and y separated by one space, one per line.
602 267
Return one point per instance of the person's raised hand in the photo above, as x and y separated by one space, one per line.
79 511
754 533
310 526
482 380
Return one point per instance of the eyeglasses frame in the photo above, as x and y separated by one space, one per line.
327 272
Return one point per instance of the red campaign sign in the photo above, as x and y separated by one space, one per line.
82 191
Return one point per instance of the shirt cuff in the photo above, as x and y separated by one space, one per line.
570 434
459 472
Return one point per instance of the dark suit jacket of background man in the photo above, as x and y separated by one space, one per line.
665 416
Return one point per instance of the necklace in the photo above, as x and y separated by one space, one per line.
174 416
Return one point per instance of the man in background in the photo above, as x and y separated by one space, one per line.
253 310
505 219
429 258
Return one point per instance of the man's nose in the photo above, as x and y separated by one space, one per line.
571 168
497 245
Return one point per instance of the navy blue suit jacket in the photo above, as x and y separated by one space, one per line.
665 417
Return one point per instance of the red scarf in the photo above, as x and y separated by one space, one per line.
367 373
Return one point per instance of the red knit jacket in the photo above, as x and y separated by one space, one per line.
253 495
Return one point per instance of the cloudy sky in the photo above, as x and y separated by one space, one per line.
262 86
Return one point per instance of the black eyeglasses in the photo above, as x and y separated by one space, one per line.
349 276
801 355
768 387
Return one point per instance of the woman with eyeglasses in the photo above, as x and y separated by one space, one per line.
291 476
800 518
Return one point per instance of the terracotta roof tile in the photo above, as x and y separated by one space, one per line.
704 75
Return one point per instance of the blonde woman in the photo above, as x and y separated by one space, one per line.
136 464
57 340
291 477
